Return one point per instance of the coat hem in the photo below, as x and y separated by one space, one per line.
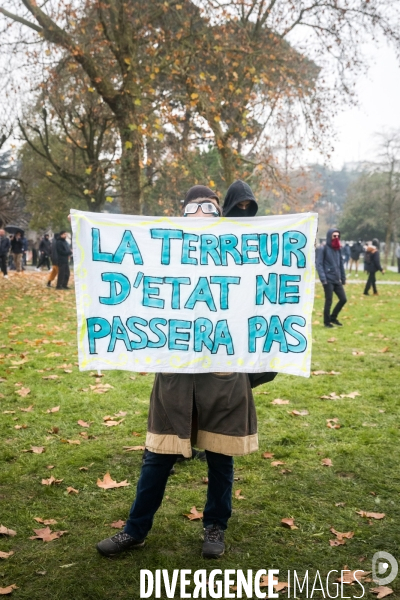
227 444
168 444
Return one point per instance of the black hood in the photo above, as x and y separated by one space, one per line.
239 191
329 235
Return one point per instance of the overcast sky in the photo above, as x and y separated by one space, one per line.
379 109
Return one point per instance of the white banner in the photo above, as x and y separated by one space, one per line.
189 295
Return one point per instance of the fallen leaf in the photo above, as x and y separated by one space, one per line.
331 340
83 423
51 481
71 490
285 471
280 401
349 576
67 370
51 377
325 373
77 442
53 410
136 434
6 554
289 523
50 467
370 515
238 496
340 503
86 468
357 353
326 462
112 423
340 537
118 524
8 412
45 521
204 480
385 349
277 463
351 395
20 426
46 534
194 514
5 531
337 542
8 590
133 448
268 455
29 409
121 413
35 450
299 413
333 423
382 591
108 483
331 396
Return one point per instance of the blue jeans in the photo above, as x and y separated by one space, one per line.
151 486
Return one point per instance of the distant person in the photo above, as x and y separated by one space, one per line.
346 255
355 253
63 253
24 251
54 260
239 201
372 265
4 250
332 275
45 251
17 250
398 257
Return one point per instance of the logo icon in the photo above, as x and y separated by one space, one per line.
381 561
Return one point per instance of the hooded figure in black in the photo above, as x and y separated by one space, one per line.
239 201
332 275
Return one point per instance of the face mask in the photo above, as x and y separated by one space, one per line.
335 243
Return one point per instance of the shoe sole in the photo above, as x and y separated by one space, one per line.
100 551
206 555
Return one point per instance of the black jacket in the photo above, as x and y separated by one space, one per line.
17 246
53 250
330 262
63 251
239 191
45 246
4 245
372 260
355 251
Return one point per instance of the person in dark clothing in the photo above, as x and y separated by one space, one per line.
372 265
4 250
346 255
45 251
239 201
332 275
355 252
54 260
17 250
63 253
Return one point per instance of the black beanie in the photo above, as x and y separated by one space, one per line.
199 191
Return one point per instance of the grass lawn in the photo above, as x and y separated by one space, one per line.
38 351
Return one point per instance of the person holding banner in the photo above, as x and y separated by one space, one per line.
214 410
239 201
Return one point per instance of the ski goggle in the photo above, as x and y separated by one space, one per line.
208 208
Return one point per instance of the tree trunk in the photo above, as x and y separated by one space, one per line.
131 188
228 161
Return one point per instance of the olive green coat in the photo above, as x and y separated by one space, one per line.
215 411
